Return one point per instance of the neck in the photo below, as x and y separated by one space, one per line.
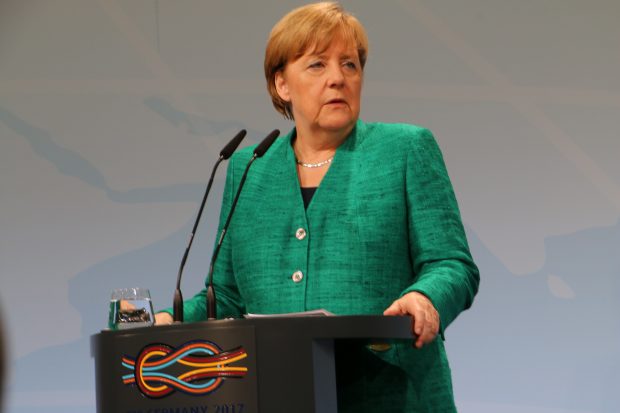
316 147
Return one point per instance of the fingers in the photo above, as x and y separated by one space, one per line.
394 309
424 316
426 326
163 319
127 305
419 326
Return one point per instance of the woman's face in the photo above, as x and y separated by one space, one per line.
324 89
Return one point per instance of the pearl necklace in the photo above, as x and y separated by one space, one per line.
314 165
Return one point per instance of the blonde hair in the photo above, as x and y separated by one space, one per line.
311 26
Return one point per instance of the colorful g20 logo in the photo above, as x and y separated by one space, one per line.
197 368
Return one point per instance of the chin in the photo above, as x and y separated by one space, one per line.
339 123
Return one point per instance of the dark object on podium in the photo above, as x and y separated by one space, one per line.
133 316
264 365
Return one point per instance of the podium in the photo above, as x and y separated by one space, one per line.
265 364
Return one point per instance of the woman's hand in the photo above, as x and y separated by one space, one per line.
163 319
424 316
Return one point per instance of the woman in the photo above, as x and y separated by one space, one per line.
352 217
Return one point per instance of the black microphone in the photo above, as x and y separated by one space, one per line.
177 302
259 151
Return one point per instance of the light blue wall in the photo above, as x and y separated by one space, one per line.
112 112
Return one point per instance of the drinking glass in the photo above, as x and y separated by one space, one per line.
130 308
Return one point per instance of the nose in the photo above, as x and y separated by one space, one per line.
335 76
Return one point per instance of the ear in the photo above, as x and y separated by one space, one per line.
282 87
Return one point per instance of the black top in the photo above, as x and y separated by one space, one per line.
306 194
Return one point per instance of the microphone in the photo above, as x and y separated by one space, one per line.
177 302
259 151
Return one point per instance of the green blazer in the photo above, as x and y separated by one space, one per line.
383 222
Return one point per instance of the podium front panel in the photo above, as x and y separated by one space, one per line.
189 370
266 365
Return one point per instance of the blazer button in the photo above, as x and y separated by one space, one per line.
297 276
300 234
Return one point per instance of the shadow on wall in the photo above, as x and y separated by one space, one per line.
71 163
65 373
547 339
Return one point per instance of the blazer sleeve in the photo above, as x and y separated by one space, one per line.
229 302
443 266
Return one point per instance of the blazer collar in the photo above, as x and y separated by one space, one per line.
351 142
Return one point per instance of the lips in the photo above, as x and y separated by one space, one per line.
336 101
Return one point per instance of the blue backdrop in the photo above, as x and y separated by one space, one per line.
112 112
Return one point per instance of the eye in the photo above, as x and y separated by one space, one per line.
316 65
350 64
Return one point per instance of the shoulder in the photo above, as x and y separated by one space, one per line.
268 163
243 155
396 136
